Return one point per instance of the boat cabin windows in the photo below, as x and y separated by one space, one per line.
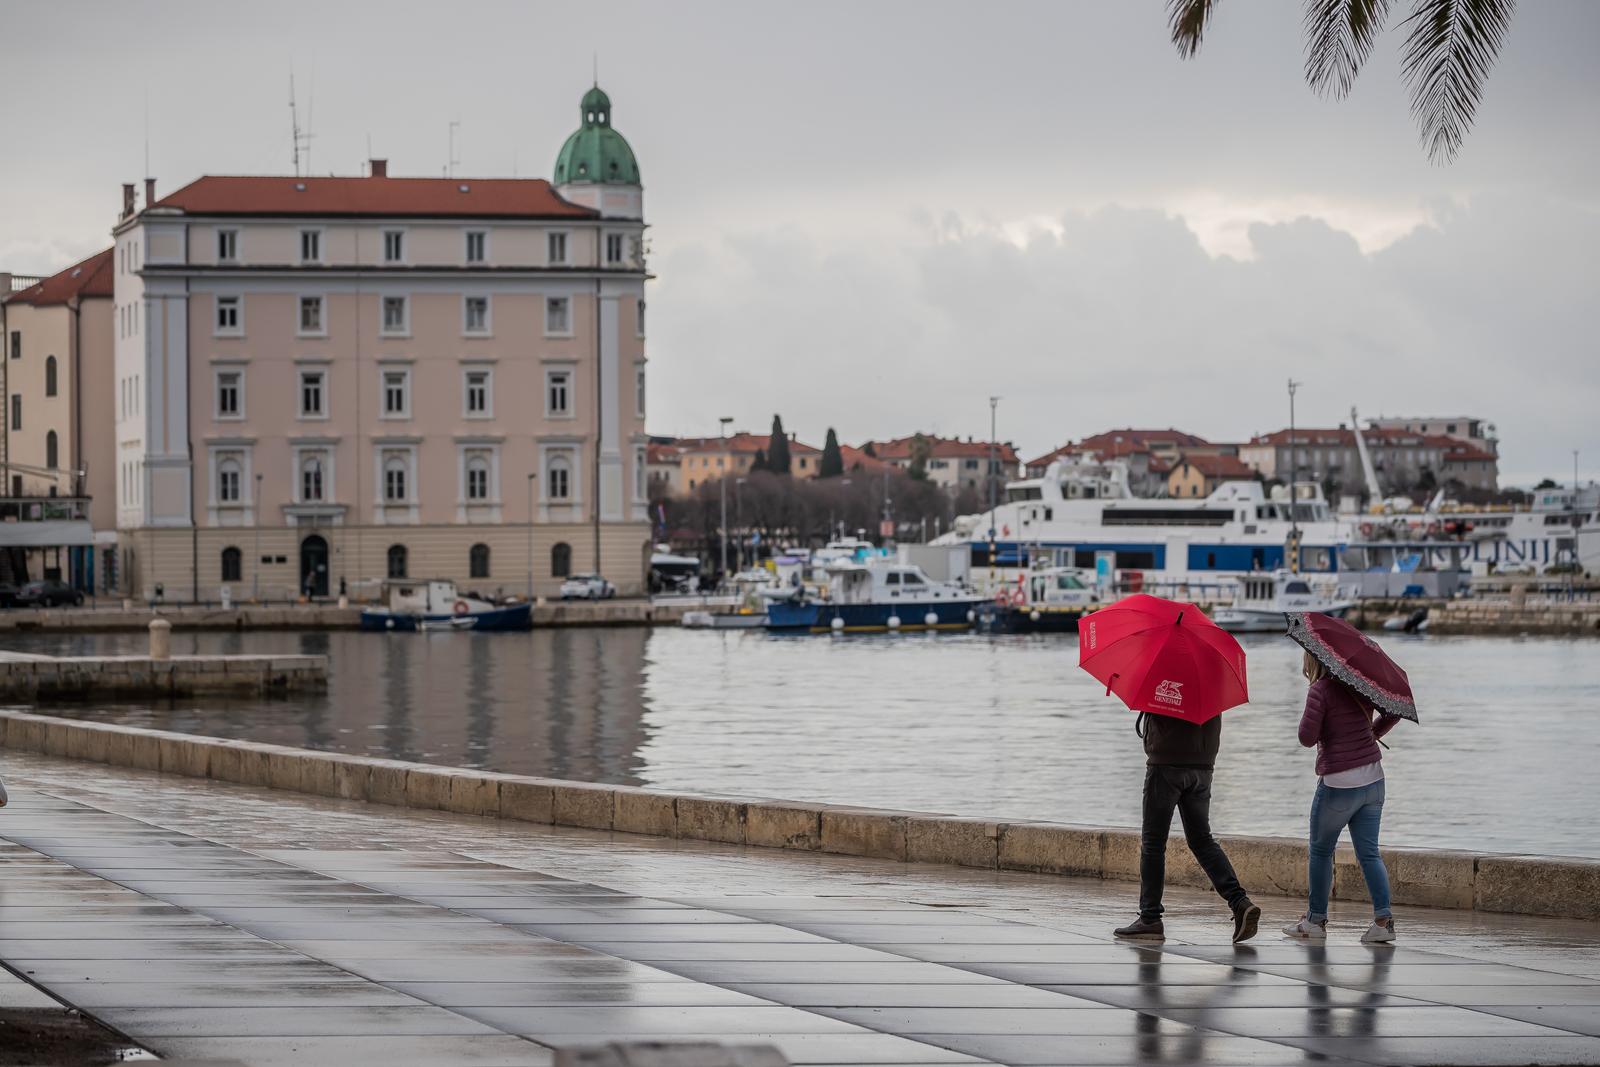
1069 581
1147 516
1297 587
1014 493
1259 589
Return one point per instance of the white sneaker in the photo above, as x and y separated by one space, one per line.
1381 931
1306 930
3 797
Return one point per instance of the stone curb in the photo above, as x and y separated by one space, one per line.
1534 885
78 679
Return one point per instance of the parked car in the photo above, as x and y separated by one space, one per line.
48 593
587 587
8 595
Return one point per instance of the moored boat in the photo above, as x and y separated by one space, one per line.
1264 600
875 595
1048 600
435 605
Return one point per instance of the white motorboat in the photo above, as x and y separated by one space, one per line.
743 619
1262 601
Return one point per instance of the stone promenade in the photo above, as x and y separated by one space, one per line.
217 922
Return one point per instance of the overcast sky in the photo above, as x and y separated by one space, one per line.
874 216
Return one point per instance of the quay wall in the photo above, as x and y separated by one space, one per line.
77 679
1488 616
1537 885
308 616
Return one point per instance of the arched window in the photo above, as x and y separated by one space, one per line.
560 559
558 479
478 561
50 376
311 479
397 561
228 481
51 450
232 565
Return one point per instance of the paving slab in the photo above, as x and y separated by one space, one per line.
223 922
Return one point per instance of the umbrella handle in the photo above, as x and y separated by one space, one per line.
1113 678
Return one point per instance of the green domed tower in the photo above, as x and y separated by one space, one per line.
596 167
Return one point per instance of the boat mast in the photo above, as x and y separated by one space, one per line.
1294 480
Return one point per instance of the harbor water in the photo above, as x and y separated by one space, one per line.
1002 727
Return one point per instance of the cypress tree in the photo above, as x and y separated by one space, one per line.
778 448
832 462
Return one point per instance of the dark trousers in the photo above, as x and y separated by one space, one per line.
1189 790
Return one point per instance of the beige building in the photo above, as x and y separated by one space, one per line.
949 462
1199 474
322 383
57 467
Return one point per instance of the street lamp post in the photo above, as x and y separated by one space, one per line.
255 564
531 476
738 521
722 488
1294 477
994 404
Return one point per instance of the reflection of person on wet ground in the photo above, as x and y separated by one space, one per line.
1189 1046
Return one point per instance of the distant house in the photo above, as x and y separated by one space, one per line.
1148 454
1403 460
952 464
856 459
705 459
1200 474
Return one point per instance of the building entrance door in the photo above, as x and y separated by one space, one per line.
314 566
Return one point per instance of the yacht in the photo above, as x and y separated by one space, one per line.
874 594
1263 600
435 605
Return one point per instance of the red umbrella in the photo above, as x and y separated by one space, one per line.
1163 657
1356 660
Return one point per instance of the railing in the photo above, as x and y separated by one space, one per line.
43 508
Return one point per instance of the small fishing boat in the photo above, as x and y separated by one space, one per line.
435 605
874 595
1263 600
742 619
1047 600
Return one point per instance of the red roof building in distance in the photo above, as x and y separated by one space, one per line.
1148 454
1199 474
374 195
856 459
91 277
704 459
952 463
1404 461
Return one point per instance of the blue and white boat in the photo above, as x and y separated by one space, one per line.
875 595
435 605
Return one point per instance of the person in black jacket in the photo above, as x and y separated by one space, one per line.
1179 757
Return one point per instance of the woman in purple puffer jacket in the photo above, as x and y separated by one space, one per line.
1343 730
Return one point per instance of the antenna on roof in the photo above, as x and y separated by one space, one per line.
311 110
596 56
451 162
297 136
147 131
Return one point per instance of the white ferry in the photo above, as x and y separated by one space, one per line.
1082 515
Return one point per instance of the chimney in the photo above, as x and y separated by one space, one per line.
127 199
379 167
149 191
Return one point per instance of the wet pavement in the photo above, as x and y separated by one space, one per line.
218 922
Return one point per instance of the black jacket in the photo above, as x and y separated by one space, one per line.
1170 742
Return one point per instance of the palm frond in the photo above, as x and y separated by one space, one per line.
1339 38
1188 19
1448 53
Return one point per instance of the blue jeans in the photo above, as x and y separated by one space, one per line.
1332 810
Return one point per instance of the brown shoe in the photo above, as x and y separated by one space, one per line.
1246 917
1143 931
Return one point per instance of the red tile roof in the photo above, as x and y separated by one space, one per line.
1121 442
1311 437
740 442
90 278
857 459
1228 467
521 198
944 448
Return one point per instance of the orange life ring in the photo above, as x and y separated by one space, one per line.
462 607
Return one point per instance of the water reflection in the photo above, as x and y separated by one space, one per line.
1003 727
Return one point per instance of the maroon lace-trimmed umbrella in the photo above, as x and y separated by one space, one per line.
1163 657
1356 660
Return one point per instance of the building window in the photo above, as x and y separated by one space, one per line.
227 246
311 479
558 249
50 376
51 454
16 344
310 314
394 314
397 394
397 561
476 314
394 246
560 560
638 391
232 565
228 314
478 561
558 315
16 411
477 402
558 393
614 247
313 404
230 394
641 486
558 480
228 482
394 481
476 242
311 246
639 317
477 479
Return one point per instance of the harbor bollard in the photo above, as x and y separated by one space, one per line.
344 602
160 639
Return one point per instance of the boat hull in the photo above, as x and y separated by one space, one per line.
818 617
513 617
712 620
1026 620
1262 621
